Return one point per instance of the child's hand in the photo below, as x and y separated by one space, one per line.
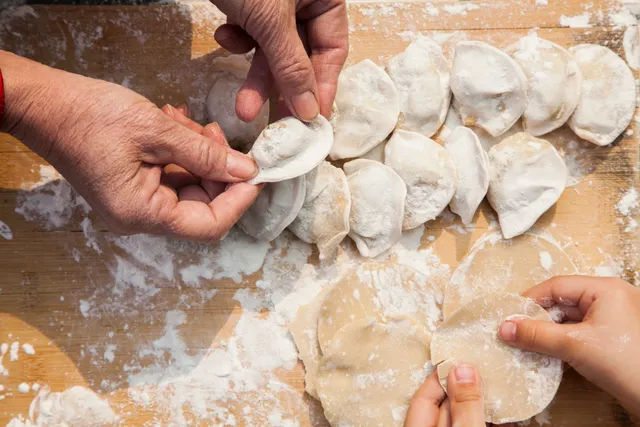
604 344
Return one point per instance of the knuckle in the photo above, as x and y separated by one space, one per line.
467 392
212 157
527 334
294 72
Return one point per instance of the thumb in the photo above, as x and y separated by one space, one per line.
465 397
541 336
292 70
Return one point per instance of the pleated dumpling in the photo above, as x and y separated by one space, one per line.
324 216
377 206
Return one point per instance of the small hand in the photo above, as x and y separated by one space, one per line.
603 345
283 31
463 407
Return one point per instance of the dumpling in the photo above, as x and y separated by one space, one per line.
289 148
608 99
428 172
369 105
324 216
472 165
221 104
528 176
276 207
555 82
377 206
490 87
631 43
421 74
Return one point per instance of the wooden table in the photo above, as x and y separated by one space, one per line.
166 53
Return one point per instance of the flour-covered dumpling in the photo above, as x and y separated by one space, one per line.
421 74
276 207
516 384
608 98
555 82
472 165
221 103
369 105
490 87
428 172
324 216
289 148
372 370
631 43
377 206
528 176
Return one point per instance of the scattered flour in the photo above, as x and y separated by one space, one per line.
28 349
628 202
460 8
24 388
546 261
577 21
5 231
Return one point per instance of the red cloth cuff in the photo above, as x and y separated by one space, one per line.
1 99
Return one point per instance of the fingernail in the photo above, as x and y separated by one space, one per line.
305 106
508 331
170 111
241 166
465 374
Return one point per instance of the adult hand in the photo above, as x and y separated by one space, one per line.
113 145
603 345
463 407
282 31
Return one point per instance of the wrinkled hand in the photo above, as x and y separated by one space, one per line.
283 31
113 145
604 344
463 407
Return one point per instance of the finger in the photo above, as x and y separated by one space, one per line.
576 291
198 221
194 193
289 64
214 132
197 154
425 405
540 336
327 34
175 176
255 90
213 188
177 115
234 39
184 110
444 419
465 397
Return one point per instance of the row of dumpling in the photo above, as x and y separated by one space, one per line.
414 178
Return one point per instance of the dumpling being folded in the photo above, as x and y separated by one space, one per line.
324 216
289 148
428 173
377 206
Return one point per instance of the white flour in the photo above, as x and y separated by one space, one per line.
5 231
577 21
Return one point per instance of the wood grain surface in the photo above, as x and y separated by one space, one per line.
166 52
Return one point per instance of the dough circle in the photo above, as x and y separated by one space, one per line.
516 384
371 372
495 265
377 291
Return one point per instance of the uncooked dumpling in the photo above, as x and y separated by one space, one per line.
421 74
516 384
289 148
555 82
379 291
528 176
472 165
631 43
376 153
490 87
324 216
371 372
276 207
377 206
304 329
221 103
428 172
369 105
608 98
495 265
